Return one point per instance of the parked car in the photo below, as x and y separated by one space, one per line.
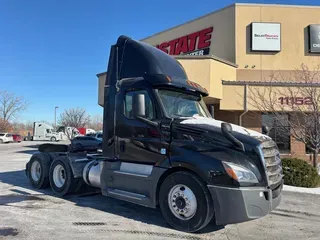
91 135
99 136
16 138
6 138
85 143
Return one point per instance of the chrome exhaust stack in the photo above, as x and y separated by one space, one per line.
91 174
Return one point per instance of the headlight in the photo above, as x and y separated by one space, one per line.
239 173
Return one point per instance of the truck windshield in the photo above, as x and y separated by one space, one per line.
179 105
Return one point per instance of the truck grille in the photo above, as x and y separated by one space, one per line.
273 163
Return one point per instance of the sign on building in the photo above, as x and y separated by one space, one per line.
266 37
196 43
314 38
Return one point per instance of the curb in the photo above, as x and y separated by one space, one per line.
315 191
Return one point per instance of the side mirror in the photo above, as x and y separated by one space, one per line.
138 106
226 129
265 130
211 110
139 109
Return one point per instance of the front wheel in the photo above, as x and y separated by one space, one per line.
185 202
53 139
1 141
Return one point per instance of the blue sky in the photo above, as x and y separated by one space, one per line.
51 51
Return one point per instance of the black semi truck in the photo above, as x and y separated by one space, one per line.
162 148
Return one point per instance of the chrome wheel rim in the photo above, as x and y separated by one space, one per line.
59 175
35 171
182 202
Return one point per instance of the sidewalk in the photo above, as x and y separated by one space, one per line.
301 189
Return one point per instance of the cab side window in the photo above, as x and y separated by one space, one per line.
150 114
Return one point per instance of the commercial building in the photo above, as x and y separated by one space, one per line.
243 45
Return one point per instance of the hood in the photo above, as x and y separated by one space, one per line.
216 123
244 135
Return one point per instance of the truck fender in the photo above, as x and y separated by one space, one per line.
176 166
179 162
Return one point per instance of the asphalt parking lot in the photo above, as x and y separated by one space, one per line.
26 213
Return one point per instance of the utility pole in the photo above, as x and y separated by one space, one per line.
55 118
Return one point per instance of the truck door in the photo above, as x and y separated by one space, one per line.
47 134
138 142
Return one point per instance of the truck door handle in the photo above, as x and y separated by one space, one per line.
122 146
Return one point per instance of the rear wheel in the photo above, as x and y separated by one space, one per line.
61 177
38 170
185 202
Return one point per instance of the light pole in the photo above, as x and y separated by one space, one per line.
55 118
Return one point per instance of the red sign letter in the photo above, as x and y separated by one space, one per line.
172 44
182 46
163 47
204 38
193 40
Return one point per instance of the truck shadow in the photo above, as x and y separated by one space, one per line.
27 151
89 198
34 146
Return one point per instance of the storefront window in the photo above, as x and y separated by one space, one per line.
279 130
308 150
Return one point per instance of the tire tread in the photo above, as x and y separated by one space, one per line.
206 194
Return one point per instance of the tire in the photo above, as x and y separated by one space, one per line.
53 139
195 218
1 141
38 171
61 177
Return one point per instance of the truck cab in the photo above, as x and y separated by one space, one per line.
156 125
162 148
44 132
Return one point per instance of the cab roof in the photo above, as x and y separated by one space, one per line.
138 59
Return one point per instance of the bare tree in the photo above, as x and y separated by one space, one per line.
74 118
5 126
298 96
11 105
29 126
96 122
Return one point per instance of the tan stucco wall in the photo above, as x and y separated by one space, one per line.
209 73
265 99
223 35
232 98
220 71
198 70
294 36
